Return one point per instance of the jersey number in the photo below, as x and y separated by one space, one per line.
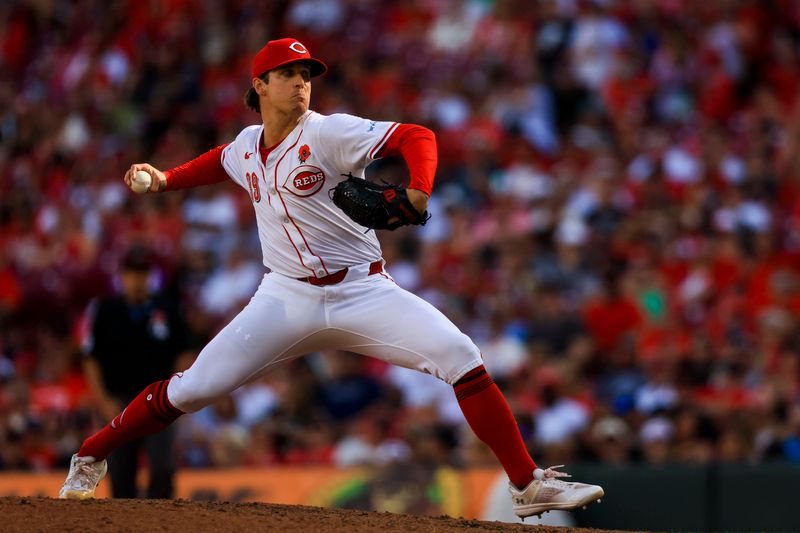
252 184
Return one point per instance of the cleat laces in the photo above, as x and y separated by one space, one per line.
82 475
82 478
550 472
551 476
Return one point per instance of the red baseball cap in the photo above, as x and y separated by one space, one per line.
284 51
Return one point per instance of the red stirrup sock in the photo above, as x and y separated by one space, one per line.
491 419
148 413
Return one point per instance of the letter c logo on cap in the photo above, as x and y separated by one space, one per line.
298 47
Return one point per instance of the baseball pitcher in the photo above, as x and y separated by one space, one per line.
326 287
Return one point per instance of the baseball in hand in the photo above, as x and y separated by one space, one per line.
141 181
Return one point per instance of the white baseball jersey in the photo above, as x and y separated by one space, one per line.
302 232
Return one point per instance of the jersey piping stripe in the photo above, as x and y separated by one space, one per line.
266 185
299 256
222 160
255 147
383 140
260 166
277 190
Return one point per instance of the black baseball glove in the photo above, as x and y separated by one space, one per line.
376 206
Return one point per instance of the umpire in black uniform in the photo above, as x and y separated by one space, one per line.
136 337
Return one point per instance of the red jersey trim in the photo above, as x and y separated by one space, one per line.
299 255
386 135
264 179
286 209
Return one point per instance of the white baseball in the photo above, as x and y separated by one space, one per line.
141 181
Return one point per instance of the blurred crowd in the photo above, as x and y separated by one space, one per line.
616 219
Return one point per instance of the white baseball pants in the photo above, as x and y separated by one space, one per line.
287 318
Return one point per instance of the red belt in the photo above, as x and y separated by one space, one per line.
337 277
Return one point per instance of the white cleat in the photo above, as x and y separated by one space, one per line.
547 493
84 475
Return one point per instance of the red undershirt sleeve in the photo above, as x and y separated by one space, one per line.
417 146
205 169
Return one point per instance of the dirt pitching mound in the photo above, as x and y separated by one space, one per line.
28 514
